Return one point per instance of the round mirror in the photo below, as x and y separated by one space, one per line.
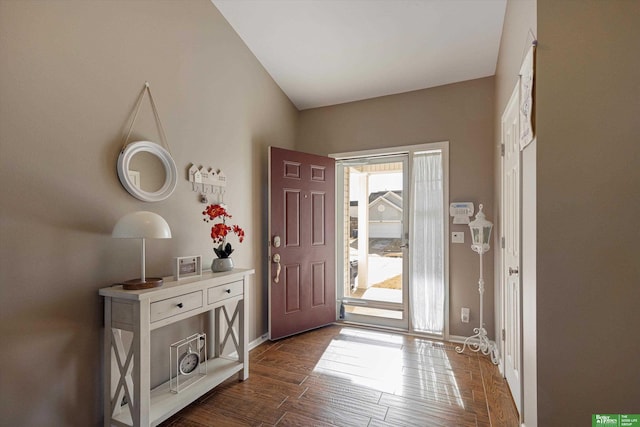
147 171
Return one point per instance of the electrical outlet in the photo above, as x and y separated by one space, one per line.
457 237
464 315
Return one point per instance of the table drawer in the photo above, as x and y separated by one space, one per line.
176 305
223 292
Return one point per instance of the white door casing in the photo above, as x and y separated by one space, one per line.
511 229
409 151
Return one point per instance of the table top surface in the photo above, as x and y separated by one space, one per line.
171 287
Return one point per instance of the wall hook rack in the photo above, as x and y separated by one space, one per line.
207 181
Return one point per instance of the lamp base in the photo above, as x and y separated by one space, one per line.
137 284
480 342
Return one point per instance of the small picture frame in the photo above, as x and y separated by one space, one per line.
187 266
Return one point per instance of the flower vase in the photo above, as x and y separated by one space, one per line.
221 264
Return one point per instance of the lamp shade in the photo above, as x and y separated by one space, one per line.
141 225
480 232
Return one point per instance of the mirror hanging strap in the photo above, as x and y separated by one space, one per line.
156 115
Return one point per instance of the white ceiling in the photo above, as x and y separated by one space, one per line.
326 52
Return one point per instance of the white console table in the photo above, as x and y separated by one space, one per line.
128 398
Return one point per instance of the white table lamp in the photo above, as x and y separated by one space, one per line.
142 225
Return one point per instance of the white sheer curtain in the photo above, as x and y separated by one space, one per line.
427 285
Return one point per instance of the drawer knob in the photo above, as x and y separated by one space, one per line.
180 305
228 291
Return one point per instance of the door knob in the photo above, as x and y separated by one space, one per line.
513 271
276 259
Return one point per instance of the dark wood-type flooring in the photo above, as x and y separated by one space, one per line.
348 376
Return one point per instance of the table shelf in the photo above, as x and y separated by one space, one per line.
165 403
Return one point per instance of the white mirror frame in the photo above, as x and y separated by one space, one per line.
171 172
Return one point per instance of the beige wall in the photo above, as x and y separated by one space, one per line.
71 73
518 32
588 205
460 113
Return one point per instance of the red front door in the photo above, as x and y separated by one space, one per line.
302 242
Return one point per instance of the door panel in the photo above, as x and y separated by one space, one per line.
302 215
291 221
318 209
292 288
318 284
511 295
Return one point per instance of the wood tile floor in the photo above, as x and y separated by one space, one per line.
348 376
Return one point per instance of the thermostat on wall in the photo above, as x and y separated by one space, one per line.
461 211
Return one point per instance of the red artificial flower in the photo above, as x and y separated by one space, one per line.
220 230
239 232
216 211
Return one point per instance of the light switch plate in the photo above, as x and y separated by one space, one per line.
457 237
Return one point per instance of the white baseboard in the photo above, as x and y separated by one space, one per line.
460 339
253 344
